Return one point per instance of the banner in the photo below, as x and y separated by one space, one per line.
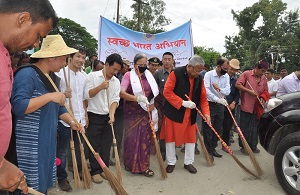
114 38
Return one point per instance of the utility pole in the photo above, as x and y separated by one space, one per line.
139 12
118 11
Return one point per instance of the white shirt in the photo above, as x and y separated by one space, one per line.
223 82
98 104
77 84
288 84
272 86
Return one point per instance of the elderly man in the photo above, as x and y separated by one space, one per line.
22 24
179 125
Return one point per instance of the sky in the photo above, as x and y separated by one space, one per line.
211 19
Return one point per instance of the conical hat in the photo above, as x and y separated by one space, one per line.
53 46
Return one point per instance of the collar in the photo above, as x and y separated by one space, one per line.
102 75
164 71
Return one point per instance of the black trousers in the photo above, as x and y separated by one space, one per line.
119 128
217 116
100 137
227 125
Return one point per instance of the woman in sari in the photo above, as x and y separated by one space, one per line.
138 88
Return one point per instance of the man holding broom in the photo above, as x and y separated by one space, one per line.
179 125
72 84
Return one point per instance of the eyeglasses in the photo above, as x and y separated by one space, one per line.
198 72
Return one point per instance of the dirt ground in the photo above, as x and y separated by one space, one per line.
224 178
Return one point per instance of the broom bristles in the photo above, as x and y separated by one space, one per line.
256 165
86 176
204 150
160 159
243 166
118 164
75 168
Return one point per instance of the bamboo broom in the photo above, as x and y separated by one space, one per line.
33 191
204 150
118 164
224 144
72 144
158 153
114 183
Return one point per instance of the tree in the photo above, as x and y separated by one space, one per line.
209 55
274 39
75 34
151 16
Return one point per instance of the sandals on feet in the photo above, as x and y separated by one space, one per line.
148 173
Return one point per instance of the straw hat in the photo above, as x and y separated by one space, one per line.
53 46
234 63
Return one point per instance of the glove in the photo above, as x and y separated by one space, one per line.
222 101
188 104
143 99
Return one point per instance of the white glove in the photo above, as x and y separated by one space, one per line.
188 104
222 101
142 98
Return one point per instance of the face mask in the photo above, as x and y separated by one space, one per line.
223 72
142 69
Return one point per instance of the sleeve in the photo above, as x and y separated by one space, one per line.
203 101
125 81
116 92
242 79
62 110
23 88
289 86
207 85
226 90
169 94
88 86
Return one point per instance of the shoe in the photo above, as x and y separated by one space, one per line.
243 151
103 175
197 152
97 178
65 185
183 149
170 168
148 173
216 154
190 168
224 149
111 163
256 150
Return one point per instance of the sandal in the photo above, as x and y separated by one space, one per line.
148 173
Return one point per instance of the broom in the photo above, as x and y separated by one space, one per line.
72 145
33 191
158 153
114 183
204 150
118 164
224 144
245 143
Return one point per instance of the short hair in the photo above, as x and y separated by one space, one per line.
262 64
112 58
90 57
196 60
96 62
221 61
270 70
168 53
207 66
80 49
39 10
139 56
283 68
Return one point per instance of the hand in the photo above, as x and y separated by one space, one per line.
104 85
188 104
111 119
58 97
222 101
12 177
232 106
86 120
252 92
142 98
216 87
68 93
151 107
207 117
77 127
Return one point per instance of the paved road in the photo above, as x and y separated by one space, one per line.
224 178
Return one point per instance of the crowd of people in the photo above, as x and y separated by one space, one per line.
147 101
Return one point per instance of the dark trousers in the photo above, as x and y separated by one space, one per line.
227 125
217 116
248 126
100 137
119 128
63 145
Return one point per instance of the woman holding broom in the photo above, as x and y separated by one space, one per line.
37 108
137 92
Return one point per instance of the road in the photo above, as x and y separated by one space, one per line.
224 178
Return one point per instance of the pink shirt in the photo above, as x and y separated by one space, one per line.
248 101
6 79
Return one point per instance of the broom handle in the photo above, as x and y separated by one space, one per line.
33 191
222 141
256 95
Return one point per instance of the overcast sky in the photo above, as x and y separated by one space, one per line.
211 19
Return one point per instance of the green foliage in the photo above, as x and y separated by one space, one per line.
209 55
75 34
152 17
266 30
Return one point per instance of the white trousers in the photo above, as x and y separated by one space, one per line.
188 155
